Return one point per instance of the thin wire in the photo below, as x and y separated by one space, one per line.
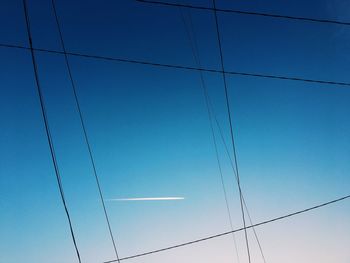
211 114
47 129
56 166
231 130
244 202
297 18
194 47
149 63
84 127
234 231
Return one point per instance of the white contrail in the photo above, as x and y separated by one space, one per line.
147 199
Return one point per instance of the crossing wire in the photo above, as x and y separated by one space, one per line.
82 122
47 128
194 47
296 18
231 129
234 231
244 202
211 113
162 65
156 64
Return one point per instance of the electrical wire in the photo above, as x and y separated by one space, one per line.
155 64
231 129
47 129
244 202
82 122
194 47
210 109
296 18
234 231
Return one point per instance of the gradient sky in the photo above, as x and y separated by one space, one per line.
150 132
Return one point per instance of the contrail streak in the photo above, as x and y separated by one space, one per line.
147 199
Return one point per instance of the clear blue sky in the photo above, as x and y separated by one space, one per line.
150 132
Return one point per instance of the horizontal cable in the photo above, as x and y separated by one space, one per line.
233 231
247 74
328 21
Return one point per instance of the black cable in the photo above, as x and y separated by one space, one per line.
244 202
84 127
234 231
212 115
47 129
194 47
154 64
327 21
231 130
149 63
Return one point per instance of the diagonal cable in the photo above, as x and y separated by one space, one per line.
184 67
231 129
223 10
84 128
234 231
194 47
47 128
234 171
212 115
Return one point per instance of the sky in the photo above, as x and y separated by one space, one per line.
150 133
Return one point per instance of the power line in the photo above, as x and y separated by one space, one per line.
297 18
47 128
82 122
211 114
244 202
56 166
194 47
234 231
231 129
155 64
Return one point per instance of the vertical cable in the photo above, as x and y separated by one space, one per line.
244 203
231 130
84 129
194 47
47 128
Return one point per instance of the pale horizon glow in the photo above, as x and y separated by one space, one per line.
147 199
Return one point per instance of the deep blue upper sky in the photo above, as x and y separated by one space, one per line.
150 132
